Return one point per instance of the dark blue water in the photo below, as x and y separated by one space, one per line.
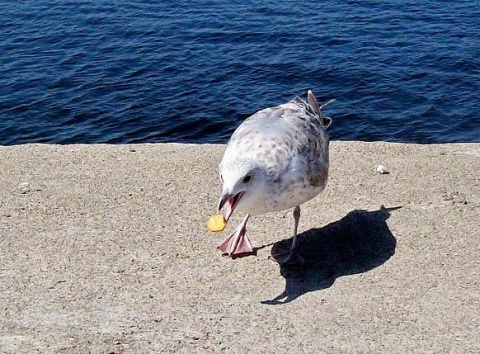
190 71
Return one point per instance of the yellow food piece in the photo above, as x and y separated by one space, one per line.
216 223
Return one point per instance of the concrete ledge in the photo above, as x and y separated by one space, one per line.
104 248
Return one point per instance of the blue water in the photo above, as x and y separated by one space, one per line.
191 71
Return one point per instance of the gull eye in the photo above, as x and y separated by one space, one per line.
247 178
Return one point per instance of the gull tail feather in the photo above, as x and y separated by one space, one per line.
312 101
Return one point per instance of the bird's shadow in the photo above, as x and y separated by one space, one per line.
358 242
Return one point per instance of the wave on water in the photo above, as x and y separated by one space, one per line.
137 71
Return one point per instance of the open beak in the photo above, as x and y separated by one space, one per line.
230 202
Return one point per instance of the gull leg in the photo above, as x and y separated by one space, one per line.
238 242
292 256
296 219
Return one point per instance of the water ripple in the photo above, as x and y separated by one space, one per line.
137 71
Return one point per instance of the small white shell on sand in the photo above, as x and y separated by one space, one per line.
23 188
382 169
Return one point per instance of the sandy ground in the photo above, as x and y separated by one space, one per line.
104 249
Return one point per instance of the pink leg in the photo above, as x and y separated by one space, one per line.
296 219
238 242
292 257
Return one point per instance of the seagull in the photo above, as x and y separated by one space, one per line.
275 160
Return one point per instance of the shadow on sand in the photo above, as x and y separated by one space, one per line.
358 242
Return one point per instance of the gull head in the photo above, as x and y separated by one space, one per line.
244 183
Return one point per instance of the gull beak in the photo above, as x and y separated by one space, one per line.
229 201
222 201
